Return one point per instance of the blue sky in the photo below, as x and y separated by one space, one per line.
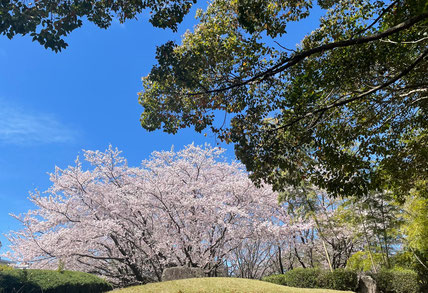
53 105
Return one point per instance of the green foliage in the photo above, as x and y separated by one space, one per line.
397 281
61 266
16 281
276 279
361 262
302 278
415 229
5 268
49 21
51 282
403 260
416 225
414 261
315 278
341 111
339 279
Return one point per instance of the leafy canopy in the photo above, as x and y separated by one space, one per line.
49 21
346 110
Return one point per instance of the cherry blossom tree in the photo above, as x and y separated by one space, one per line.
189 207
331 236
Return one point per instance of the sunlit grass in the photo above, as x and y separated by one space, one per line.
218 285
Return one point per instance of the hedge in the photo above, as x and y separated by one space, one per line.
35 281
388 281
316 278
276 279
302 278
397 281
339 279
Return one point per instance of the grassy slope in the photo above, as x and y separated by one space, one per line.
218 285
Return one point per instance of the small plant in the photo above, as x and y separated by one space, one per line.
61 266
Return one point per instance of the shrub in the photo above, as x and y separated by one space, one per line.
276 279
339 279
34 281
397 281
316 278
302 278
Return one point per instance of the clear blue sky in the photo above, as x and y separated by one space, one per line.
53 105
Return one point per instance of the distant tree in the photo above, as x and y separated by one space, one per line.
331 238
379 219
332 235
128 224
253 259
341 110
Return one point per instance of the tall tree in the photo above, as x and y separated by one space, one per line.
341 110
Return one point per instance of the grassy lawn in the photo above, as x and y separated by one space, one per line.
218 285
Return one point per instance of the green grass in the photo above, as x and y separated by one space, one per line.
218 285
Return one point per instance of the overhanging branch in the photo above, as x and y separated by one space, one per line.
358 97
289 62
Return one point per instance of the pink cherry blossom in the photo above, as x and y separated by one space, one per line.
187 207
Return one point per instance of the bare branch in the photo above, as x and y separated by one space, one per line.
99 257
285 48
414 91
410 42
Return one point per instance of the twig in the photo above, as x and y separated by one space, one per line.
285 47
377 19
409 42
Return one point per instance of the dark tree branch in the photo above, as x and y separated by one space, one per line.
100 257
289 62
358 97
